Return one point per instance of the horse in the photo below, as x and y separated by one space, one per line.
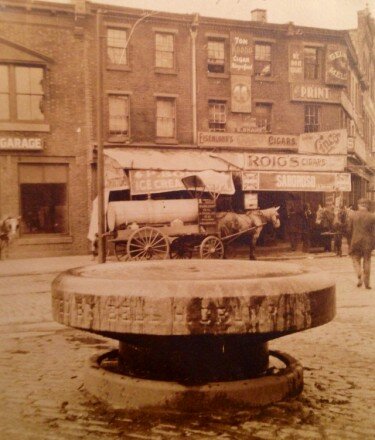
8 231
252 222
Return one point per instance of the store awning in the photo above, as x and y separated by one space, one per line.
177 160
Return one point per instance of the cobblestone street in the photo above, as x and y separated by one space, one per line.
42 365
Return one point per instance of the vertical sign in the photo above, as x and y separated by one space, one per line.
336 65
241 54
207 212
241 67
295 63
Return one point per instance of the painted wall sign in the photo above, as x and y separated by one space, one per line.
295 63
241 54
240 93
336 65
296 162
20 143
244 140
324 142
289 181
315 93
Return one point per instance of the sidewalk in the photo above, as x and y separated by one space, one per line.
42 366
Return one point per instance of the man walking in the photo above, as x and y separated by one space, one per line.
362 241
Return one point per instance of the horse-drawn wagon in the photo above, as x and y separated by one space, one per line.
178 228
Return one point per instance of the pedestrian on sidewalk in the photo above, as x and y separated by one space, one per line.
307 226
362 241
339 228
294 227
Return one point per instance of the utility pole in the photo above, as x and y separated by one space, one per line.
99 135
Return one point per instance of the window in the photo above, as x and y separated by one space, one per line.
312 118
118 107
21 93
262 64
117 46
217 115
216 56
164 50
166 118
263 113
44 200
312 62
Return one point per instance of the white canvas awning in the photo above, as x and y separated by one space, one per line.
181 160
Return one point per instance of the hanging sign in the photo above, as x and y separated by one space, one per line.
240 94
324 142
289 181
336 65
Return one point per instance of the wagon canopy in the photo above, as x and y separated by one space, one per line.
159 172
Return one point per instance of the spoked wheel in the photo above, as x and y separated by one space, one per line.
121 251
180 250
147 244
211 247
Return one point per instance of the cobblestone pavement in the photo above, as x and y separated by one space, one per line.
42 364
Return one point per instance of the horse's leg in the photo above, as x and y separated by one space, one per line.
252 247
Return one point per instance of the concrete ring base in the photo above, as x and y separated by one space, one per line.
132 393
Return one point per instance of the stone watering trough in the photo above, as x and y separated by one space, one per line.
193 333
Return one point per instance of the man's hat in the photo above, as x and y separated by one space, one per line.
364 202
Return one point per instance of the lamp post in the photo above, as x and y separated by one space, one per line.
99 131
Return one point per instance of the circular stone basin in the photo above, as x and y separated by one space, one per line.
193 297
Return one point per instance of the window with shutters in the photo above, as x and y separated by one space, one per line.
166 117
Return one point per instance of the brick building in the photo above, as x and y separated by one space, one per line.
45 125
286 111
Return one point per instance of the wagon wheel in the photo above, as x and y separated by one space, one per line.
211 247
121 251
147 244
180 250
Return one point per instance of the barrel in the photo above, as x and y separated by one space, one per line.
151 211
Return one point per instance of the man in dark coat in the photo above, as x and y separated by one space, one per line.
362 240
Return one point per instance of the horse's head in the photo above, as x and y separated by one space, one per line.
10 226
272 215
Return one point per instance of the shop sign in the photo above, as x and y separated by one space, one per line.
20 143
314 182
149 182
315 93
240 94
207 212
241 54
280 162
336 65
324 142
245 140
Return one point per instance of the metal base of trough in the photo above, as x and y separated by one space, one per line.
104 380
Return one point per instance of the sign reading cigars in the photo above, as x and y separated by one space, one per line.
241 66
294 162
249 140
289 181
